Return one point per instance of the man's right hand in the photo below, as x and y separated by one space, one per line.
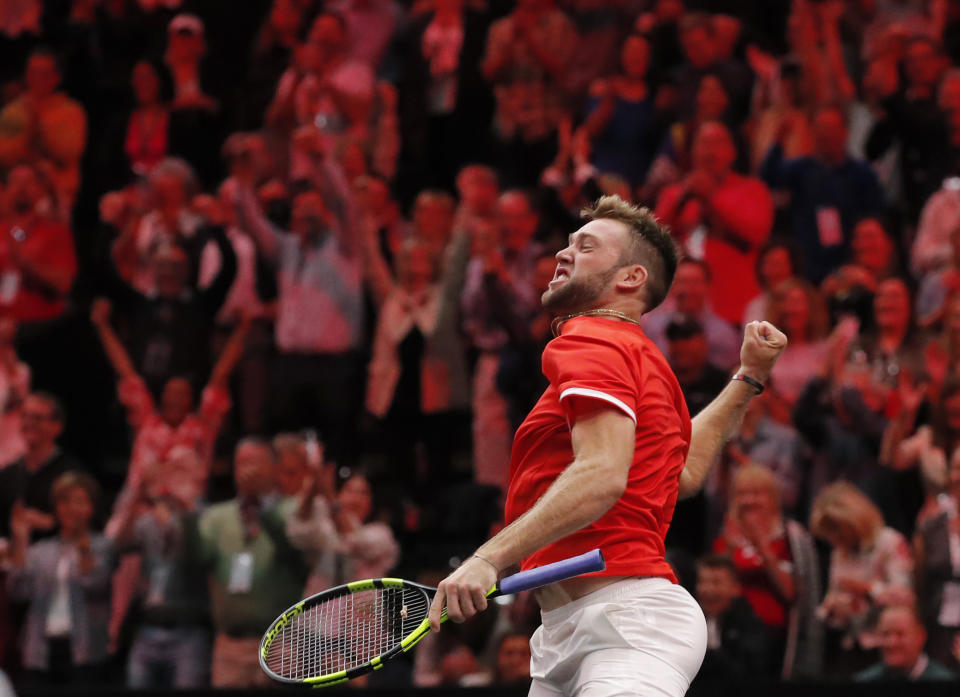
762 345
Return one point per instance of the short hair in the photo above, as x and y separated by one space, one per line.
651 243
697 20
699 263
818 320
759 475
842 502
911 609
179 168
57 412
488 174
288 442
47 52
719 561
257 441
683 327
779 243
74 479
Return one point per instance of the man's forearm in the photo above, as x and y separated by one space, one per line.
584 492
711 429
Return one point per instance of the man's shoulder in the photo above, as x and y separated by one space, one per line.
874 672
937 671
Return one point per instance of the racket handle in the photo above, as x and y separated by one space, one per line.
551 573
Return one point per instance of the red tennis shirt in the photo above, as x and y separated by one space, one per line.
614 362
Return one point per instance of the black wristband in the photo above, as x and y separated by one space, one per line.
755 384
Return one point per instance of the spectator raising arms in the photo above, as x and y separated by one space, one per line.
158 431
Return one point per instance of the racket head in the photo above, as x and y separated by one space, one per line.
345 632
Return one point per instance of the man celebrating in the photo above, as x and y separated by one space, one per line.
600 462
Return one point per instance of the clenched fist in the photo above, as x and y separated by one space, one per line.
762 345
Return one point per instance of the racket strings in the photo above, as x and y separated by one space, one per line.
346 631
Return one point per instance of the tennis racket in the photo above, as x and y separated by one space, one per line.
352 630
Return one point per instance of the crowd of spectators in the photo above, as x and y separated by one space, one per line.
269 314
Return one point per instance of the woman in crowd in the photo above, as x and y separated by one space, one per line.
66 582
777 567
623 124
367 546
146 142
776 263
870 566
418 385
799 310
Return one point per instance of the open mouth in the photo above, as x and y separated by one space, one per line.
560 276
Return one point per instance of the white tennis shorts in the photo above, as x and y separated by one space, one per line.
639 636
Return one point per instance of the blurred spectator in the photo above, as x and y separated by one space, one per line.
367 547
273 49
37 258
872 248
195 127
253 286
501 273
317 376
370 24
512 666
902 640
933 248
66 581
527 55
417 383
689 296
776 263
45 129
799 311
478 188
176 423
768 438
147 138
519 377
829 192
171 648
27 481
432 219
254 572
870 566
776 563
936 546
445 105
674 161
913 119
623 122
736 638
167 220
301 473
786 113
699 380
939 288
14 386
166 323
720 217
703 53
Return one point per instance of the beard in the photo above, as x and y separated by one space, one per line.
577 295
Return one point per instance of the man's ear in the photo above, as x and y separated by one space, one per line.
632 277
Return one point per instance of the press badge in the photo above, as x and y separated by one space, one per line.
241 573
159 579
950 605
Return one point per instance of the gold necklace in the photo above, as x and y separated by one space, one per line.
599 312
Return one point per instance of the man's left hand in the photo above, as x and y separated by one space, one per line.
762 345
464 592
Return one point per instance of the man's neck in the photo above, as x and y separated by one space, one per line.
37 457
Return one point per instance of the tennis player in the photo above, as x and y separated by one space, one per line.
600 462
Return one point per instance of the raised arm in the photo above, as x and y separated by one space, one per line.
603 443
231 355
214 295
712 428
112 346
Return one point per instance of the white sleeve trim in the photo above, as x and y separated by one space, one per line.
597 394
